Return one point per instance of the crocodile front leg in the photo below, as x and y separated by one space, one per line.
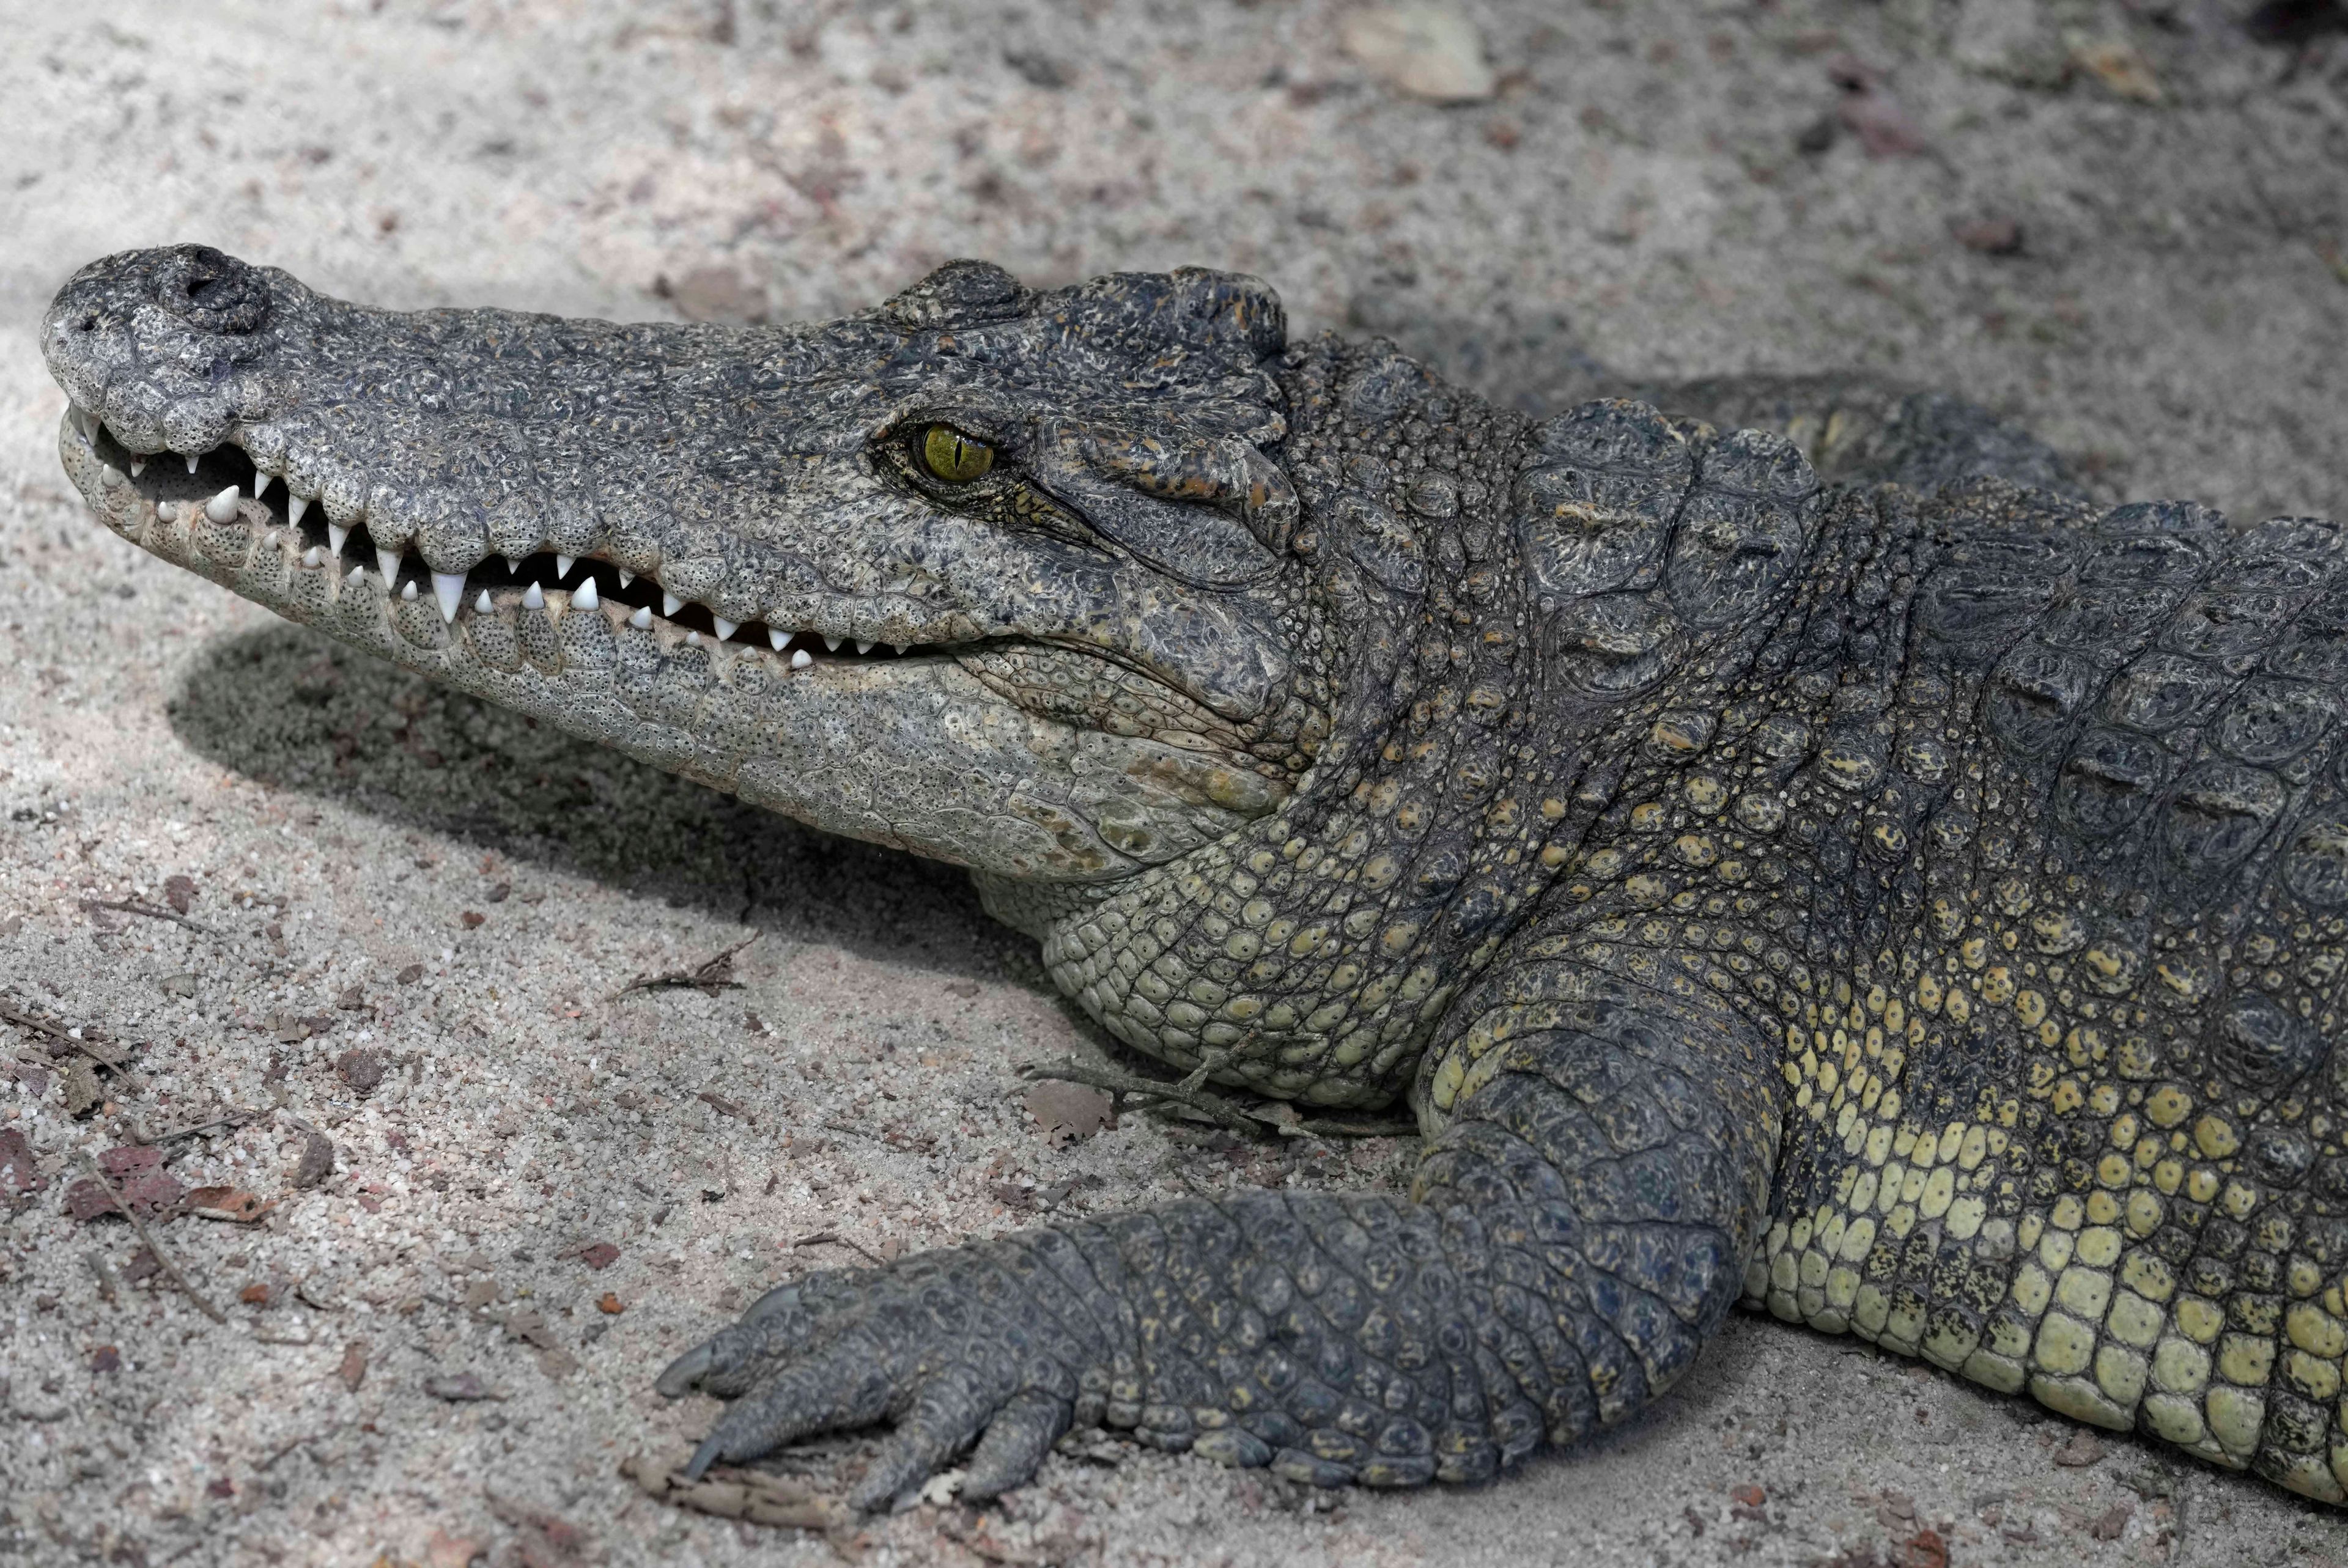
1579 1227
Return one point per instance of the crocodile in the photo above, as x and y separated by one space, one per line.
1915 908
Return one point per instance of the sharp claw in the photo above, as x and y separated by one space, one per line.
781 1298
685 1371
707 1454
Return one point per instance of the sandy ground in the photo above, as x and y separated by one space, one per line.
378 869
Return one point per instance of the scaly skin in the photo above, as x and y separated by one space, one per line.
1920 913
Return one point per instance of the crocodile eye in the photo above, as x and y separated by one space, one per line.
953 456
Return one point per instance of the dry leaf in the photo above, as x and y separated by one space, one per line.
316 1162
18 1172
2082 1450
546 1540
1067 1112
82 1094
2122 68
463 1386
757 1496
231 1204
362 1070
1429 51
353 1371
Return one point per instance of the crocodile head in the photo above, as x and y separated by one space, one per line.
998 576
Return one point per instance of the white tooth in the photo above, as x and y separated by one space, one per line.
626 576
448 588
313 557
270 538
110 476
192 462
563 566
335 532
694 638
407 590
862 645
222 507
358 576
513 564
166 510
776 637
137 466
670 603
260 484
297 504
801 659
831 644
482 606
642 619
724 627
532 598
387 562
586 597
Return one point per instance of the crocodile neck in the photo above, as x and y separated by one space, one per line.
1479 753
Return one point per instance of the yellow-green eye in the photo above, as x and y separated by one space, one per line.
953 456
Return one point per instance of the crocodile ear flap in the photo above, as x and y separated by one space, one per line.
1211 510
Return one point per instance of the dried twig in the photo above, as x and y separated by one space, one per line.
114 1061
1150 1090
38 1025
232 1117
1311 1127
298 1442
104 1272
146 911
186 1285
709 978
832 1238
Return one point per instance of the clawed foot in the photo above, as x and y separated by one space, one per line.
948 1346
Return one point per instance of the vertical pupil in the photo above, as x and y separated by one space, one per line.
953 456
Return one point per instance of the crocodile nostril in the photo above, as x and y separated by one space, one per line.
211 290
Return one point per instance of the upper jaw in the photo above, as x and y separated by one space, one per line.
140 493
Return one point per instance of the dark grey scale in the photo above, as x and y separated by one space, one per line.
2217 816
1595 501
2162 691
2257 1045
2313 863
2282 555
2032 698
2108 781
2276 723
1741 529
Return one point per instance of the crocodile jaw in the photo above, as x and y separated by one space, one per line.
942 765
806 708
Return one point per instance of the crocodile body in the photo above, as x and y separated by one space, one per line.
1915 911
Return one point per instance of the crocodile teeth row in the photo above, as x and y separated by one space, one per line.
448 588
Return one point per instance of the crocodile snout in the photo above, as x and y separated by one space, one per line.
168 346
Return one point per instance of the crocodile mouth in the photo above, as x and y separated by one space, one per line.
223 489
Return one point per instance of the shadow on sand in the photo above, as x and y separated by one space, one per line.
290 709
